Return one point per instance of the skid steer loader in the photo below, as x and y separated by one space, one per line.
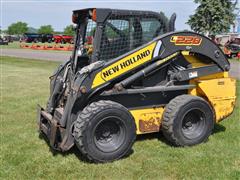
130 74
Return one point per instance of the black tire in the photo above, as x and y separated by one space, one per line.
104 131
187 120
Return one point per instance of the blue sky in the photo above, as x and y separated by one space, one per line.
58 13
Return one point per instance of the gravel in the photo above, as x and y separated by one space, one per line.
36 54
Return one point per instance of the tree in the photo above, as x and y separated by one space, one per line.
58 32
46 29
68 30
17 28
212 17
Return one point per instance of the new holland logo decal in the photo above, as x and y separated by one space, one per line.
186 40
124 65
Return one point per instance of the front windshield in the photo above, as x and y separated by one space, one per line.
84 41
88 41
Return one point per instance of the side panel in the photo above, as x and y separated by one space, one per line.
147 120
221 93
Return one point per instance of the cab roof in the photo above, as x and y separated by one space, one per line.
103 13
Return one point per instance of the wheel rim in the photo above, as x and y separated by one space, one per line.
109 134
193 124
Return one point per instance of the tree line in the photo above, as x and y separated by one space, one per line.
20 28
210 18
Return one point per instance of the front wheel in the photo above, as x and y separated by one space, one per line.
187 120
104 131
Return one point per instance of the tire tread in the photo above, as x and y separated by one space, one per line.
84 118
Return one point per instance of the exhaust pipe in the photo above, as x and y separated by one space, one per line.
172 20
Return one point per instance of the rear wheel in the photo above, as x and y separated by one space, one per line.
187 120
104 131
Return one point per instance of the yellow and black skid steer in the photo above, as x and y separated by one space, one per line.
130 74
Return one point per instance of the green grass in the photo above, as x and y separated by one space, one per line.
234 59
24 83
13 45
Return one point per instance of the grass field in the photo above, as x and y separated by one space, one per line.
24 83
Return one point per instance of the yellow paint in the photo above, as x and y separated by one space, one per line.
214 76
220 93
185 53
124 65
195 62
148 115
167 58
210 76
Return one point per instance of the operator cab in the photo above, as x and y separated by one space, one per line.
104 34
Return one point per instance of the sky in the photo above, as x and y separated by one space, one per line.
58 13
